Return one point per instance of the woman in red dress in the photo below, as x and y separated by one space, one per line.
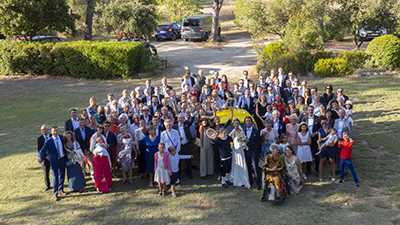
101 167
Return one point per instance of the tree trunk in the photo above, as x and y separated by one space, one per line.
215 29
90 6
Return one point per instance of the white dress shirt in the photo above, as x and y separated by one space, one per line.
59 146
171 138
75 123
181 130
174 161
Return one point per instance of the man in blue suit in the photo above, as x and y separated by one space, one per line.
246 101
53 148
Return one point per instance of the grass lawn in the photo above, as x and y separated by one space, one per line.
26 104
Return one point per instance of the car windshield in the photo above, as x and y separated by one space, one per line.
191 22
163 27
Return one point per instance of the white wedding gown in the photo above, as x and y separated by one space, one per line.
239 173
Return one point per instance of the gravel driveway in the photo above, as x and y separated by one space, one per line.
231 58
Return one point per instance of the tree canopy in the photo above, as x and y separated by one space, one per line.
29 17
129 16
307 24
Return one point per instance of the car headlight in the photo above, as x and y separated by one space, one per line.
363 33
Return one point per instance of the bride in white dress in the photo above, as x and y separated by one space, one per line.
239 173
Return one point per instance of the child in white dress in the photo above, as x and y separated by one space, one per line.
162 168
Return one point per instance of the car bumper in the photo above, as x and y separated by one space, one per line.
192 35
163 36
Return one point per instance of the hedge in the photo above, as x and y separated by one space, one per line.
385 52
332 67
276 55
81 59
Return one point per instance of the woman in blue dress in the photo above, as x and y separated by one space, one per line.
76 179
151 141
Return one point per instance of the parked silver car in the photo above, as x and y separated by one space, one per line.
196 27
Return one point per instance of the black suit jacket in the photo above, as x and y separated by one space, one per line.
40 142
68 125
111 141
186 128
254 141
84 142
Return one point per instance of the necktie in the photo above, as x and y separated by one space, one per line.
83 134
59 147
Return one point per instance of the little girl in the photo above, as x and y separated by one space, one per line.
174 159
283 144
125 156
162 169
349 111
328 140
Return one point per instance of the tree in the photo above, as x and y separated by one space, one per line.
129 16
216 29
175 10
251 15
31 17
90 9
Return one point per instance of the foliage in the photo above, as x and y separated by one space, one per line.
175 10
385 52
251 15
332 67
133 17
277 55
349 15
355 59
325 63
27 17
82 59
307 24
303 34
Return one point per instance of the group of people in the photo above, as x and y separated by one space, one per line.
164 134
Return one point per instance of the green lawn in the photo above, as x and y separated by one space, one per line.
26 104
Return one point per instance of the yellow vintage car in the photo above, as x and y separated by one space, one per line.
240 114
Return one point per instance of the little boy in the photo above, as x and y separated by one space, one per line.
328 140
346 147
174 159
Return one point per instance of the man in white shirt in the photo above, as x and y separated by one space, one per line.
124 100
170 137
183 128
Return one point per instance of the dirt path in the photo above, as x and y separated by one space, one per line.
232 57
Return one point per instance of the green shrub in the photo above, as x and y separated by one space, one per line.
276 55
332 67
81 59
355 59
385 52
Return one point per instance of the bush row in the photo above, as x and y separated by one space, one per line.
80 59
382 53
322 63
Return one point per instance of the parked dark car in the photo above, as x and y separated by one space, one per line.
167 31
367 33
46 39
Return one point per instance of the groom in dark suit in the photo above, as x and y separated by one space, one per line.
54 150
253 152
